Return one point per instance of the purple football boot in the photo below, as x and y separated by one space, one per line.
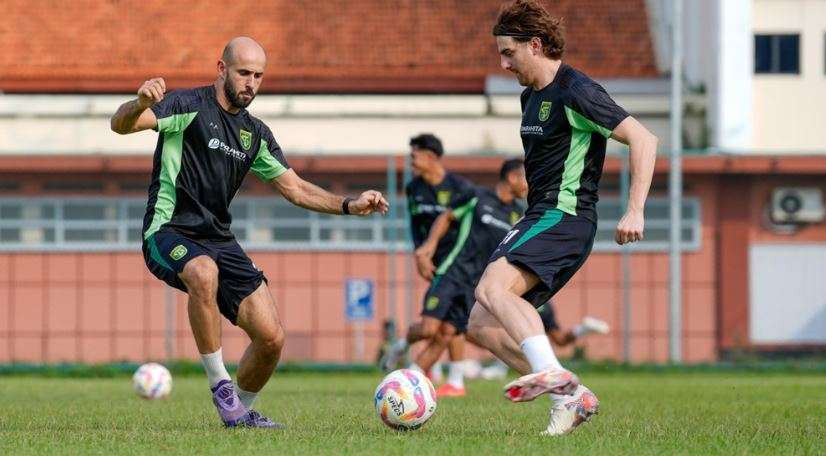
230 409
257 420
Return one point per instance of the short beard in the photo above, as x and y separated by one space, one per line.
233 98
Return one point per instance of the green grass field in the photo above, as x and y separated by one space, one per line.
642 413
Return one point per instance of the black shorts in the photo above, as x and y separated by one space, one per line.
449 301
546 313
166 254
551 244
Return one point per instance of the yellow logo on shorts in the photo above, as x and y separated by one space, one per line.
178 252
432 302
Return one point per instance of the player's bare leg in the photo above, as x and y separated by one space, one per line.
201 278
499 292
258 317
486 331
426 329
435 347
200 275
455 384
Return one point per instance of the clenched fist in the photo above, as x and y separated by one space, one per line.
151 92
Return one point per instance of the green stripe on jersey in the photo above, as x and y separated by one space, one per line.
265 166
548 220
580 122
465 221
581 129
173 143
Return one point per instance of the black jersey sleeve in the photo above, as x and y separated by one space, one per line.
523 97
415 234
175 111
464 202
588 107
269 162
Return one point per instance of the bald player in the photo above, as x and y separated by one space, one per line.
207 142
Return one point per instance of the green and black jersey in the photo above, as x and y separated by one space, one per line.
565 127
202 156
483 221
426 202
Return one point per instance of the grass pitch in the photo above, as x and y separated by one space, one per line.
642 413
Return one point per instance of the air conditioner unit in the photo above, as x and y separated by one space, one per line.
797 205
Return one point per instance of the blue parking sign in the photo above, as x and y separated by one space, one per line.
358 299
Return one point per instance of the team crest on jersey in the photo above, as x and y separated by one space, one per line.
443 197
514 217
432 302
178 252
544 111
246 139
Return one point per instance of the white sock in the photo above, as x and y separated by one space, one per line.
539 353
415 367
499 364
215 369
436 371
247 397
455 374
580 330
400 345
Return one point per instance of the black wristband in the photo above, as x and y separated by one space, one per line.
345 205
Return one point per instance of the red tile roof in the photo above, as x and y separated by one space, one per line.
313 46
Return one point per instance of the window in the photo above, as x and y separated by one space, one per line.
657 225
271 223
777 54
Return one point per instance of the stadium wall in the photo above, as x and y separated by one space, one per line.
105 306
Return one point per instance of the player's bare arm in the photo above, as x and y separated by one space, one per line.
642 146
424 254
310 196
135 115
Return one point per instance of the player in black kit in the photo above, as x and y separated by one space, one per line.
566 121
207 143
483 221
433 191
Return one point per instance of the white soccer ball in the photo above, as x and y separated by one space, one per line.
152 381
405 400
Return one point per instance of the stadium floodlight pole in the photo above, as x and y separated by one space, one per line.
675 184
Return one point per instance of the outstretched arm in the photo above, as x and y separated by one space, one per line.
642 154
135 115
310 196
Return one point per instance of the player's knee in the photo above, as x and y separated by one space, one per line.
201 275
485 294
429 332
443 336
447 330
272 344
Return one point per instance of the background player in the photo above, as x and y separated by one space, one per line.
429 194
483 220
207 143
566 120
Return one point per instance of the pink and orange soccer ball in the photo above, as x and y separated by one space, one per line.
405 400
152 381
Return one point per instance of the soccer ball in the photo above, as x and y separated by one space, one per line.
405 400
152 381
